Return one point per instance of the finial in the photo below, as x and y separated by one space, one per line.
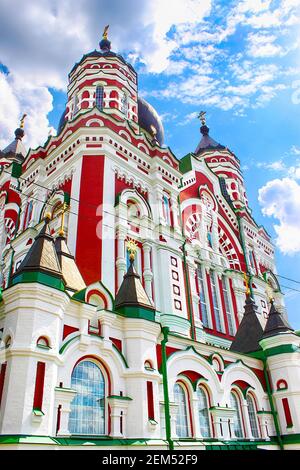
61 231
105 32
247 284
22 121
48 217
202 117
105 44
132 249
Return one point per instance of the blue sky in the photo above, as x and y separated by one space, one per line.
239 60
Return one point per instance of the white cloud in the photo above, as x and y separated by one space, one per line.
18 97
262 45
280 198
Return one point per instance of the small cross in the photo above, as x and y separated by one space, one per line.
202 117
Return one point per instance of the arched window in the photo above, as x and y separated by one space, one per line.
228 312
252 416
124 104
182 429
237 417
99 97
202 296
7 342
88 406
203 413
43 342
215 301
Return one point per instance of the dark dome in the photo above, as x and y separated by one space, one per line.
62 122
148 118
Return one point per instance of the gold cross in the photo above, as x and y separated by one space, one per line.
132 249
61 231
247 279
105 32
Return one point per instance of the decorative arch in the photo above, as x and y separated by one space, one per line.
94 123
126 135
134 195
143 148
240 372
189 359
227 248
53 205
98 290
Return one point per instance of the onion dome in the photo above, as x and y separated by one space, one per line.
149 121
249 332
276 323
16 150
62 122
41 263
105 44
206 142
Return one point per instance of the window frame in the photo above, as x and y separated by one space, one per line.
106 389
239 413
254 404
208 403
184 388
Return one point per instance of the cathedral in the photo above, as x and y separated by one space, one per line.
139 303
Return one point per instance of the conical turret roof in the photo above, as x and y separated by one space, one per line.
132 292
41 259
69 269
249 332
276 323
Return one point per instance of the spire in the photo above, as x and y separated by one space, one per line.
16 150
41 262
105 44
206 142
131 298
249 332
276 323
69 269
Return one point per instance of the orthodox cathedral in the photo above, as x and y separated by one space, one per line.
139 306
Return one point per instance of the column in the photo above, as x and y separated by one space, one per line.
64 397
223 422
121 258
175 212
147 273
118 406
173 415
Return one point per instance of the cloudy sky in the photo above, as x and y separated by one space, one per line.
237 59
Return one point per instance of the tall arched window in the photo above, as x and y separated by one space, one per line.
202 296
237 417
87 414
182 429
252 416
99 97
203 413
